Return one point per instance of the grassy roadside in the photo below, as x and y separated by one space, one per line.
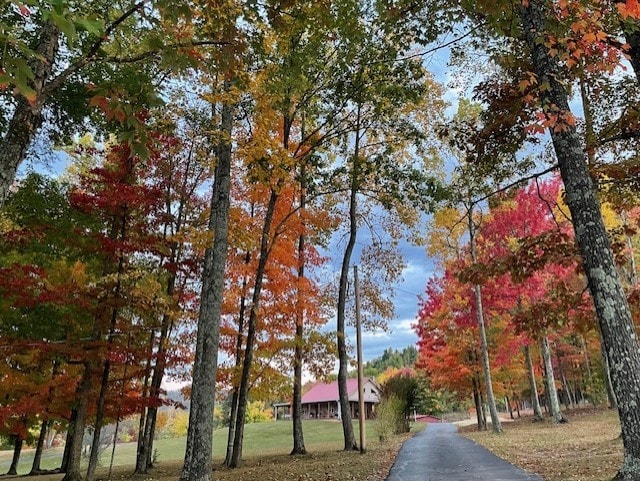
587 448
265 453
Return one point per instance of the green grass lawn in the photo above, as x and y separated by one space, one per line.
266 438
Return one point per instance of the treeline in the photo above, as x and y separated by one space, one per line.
540 324
232 142
228 145
391 358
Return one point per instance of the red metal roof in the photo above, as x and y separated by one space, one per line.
323 392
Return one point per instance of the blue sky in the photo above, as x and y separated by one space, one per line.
419 267
400 333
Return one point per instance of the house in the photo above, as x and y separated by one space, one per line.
322 401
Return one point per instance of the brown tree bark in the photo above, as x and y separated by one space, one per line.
296 402
477 401
233 411
146 381
140 449
37 455
145 450
17 450
343 357
72 467
67 442
243 391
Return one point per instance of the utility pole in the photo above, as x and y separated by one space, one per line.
361 410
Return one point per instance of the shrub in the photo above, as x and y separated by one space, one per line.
257 412
180 424
390 418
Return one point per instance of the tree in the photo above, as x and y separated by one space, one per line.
198 462
378 169
44 301
608 295
179 171
535 400
391 358
123 205
468 145
484 349
447 345
108 61
531 214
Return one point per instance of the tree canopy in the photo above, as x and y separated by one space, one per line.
228 163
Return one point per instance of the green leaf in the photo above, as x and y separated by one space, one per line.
20 68
65 25
140 150
93 26
24 89
155 42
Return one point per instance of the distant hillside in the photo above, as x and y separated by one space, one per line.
391 358
177 397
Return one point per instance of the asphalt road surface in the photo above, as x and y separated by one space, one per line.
440 454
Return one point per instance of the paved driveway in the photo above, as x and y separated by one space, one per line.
440 454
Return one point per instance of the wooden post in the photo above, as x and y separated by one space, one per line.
361 410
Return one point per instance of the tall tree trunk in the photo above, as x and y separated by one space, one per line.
44 426
97 426
233 411
68 441
141 450
233 418
108 316
483 411
37 455
17 450
296 403
199 450
535 401
554 402
27 117
611 306
484 349
566 388
245 380
106 370
72 468
144 459
343 358
477 401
